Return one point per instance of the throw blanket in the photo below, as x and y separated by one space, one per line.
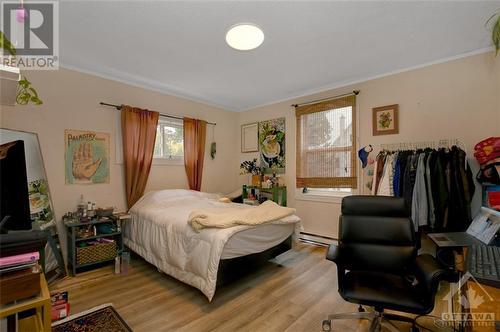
229 217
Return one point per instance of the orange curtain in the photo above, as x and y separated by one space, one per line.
194 151
139 134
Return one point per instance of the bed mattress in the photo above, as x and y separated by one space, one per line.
254 240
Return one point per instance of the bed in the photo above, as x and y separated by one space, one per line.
159 232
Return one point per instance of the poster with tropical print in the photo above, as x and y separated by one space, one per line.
272 145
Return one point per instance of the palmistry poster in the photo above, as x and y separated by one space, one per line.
87 157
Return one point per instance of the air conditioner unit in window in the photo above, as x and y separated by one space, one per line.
9 76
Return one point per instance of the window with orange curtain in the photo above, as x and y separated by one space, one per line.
169 144
326 145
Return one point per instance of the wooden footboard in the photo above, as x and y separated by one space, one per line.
235 268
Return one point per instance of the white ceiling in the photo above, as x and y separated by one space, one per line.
179 47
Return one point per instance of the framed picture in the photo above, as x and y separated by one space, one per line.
386 120
272 145
87 157
249 137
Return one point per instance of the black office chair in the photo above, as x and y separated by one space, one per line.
377 263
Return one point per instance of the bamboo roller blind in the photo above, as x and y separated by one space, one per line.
326 134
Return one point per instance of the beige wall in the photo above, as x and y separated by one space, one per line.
455 99
71 101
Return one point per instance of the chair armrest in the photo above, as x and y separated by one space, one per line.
333 253
429 271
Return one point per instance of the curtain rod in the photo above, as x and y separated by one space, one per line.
354 92
119 107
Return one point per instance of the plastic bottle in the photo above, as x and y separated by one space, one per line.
125 261
117 264
82 207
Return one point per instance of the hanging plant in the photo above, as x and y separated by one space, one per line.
213 150
25 92
213 146
495 31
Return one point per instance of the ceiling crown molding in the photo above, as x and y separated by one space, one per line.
152 85
344 84
144 83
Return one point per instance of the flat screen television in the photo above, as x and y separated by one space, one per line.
14 197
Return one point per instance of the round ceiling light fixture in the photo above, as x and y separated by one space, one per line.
244 37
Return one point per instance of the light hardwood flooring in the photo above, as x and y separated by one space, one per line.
294 292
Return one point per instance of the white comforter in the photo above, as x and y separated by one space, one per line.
180 251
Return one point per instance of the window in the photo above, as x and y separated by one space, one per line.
326 156
169 144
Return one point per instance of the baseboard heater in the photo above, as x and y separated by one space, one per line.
319 240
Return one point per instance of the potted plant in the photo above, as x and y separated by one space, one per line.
251 167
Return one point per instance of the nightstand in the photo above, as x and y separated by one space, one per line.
94 242
275 194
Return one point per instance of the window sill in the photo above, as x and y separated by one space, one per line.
167 162
325 197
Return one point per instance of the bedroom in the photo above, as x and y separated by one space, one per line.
439 66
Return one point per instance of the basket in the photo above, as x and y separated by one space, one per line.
95 253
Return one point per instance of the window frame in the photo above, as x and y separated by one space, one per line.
168 160
328 192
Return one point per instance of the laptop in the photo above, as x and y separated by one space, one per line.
482 230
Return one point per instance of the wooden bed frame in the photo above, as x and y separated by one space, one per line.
235 268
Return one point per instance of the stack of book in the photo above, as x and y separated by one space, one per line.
19 277
18 262
19 280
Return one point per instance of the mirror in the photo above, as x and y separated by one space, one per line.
41 207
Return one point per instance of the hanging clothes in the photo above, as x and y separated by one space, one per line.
409 179
437 185
379 171
428 185
439 188
419 198
397 174
385 186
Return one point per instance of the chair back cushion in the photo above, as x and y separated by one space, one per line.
376 234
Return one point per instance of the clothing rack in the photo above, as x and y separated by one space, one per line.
434 179
443 143
119 108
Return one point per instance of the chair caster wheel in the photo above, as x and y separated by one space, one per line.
414 329
361 309
326 326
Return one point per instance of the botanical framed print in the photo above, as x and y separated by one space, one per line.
272 145
249 137
386 120
87 157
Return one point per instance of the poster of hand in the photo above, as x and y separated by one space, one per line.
87 157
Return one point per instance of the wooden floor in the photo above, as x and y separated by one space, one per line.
295 292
